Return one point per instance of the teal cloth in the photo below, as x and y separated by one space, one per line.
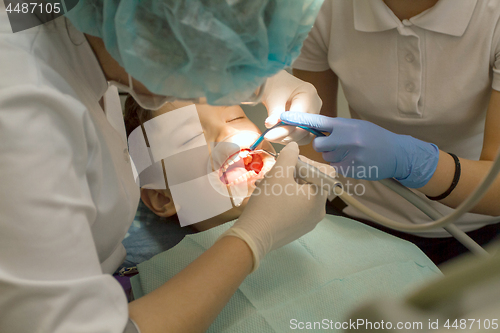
323 275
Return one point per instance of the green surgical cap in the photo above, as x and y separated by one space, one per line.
219 49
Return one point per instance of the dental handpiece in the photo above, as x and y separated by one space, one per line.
312 175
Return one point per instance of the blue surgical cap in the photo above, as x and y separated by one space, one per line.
219 49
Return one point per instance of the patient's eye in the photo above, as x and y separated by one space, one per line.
237 118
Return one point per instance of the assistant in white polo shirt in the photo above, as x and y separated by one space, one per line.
425 69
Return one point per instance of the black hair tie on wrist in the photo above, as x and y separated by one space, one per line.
454 183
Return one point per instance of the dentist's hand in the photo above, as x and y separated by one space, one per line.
360 149
285 92
279 210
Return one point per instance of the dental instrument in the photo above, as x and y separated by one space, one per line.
280 124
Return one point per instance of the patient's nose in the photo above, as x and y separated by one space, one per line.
224 132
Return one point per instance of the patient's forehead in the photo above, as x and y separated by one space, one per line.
203 109
222 113
171 106
208 114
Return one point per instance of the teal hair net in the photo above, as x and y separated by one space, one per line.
219 49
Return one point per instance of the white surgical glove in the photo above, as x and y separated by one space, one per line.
279 210
285 92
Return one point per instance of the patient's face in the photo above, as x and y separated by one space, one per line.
226 128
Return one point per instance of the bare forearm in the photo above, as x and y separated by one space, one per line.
191 300
472 174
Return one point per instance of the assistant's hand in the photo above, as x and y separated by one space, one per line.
360 149
279 210
285 92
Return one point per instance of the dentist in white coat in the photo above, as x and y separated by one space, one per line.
67 193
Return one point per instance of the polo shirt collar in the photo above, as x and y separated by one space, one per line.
373 16
449 17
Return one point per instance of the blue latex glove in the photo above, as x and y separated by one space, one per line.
362 150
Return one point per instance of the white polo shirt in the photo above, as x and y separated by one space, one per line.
429 77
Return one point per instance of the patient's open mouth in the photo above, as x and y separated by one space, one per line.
241 166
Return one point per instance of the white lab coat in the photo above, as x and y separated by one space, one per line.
67 193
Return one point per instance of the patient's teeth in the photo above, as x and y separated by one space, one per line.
243 178
232 161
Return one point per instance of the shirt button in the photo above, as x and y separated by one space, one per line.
409 87
126 155
406 23
409 57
